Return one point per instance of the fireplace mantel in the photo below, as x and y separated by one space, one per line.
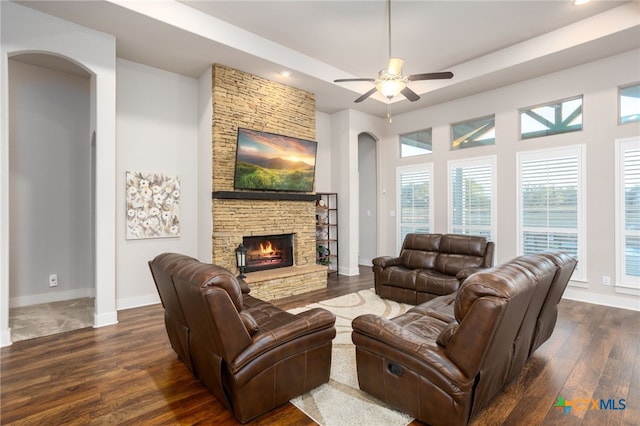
246 195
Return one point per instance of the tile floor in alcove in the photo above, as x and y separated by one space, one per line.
29 322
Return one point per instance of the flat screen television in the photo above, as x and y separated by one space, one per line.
270 162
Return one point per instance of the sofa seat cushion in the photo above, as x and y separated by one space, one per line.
451 264
421 326
399 276
437 283
261 311
441 308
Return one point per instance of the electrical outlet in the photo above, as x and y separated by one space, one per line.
606 280
53 280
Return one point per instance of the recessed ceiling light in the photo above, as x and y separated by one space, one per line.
580 2
285 73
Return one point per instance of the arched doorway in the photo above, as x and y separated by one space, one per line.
51 244
368 199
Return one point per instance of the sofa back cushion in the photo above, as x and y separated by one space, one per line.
212 299
496 310
458 252
419 251
549 313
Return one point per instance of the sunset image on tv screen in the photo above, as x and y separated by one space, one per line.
266 161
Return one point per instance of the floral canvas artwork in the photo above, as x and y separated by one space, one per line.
153 205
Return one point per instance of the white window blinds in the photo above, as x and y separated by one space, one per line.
472 197
414 200
550 206
629 212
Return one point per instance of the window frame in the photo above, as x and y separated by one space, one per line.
579 276
475 143
620 89
623 283
490 161
559 101
400 144
422 167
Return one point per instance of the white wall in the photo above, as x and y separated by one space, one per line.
205 148
346 126
24 30
50 191
157 113
324 177
598 82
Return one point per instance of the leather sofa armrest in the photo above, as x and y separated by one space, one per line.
244 287
386 261
431 359
284 328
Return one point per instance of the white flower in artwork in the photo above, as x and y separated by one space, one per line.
153 205
158 199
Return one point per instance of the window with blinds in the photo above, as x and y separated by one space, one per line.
414 200
628 212
472 197
550 206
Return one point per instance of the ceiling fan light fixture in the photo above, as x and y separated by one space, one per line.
390 85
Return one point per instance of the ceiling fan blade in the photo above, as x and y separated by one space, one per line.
343 80
395 66
366 95
431 76
410 94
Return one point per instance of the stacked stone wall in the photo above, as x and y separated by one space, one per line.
242 100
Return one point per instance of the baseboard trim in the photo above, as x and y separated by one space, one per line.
54 296
138 301
602 299
101 320
5 338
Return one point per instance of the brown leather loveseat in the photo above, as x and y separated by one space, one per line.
250 354
430 265
444 360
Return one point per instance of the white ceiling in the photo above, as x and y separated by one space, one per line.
487 44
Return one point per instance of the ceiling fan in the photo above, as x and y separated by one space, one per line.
390 81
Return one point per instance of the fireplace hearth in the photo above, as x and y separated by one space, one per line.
268 252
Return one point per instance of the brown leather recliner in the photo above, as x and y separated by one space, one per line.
444 360
430 265
250 354
161 269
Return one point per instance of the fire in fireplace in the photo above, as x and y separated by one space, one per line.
268 252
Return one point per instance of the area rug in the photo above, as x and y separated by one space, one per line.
341 402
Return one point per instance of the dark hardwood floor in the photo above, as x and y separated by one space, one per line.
128 374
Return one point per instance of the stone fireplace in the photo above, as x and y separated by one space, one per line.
266 252
243 100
